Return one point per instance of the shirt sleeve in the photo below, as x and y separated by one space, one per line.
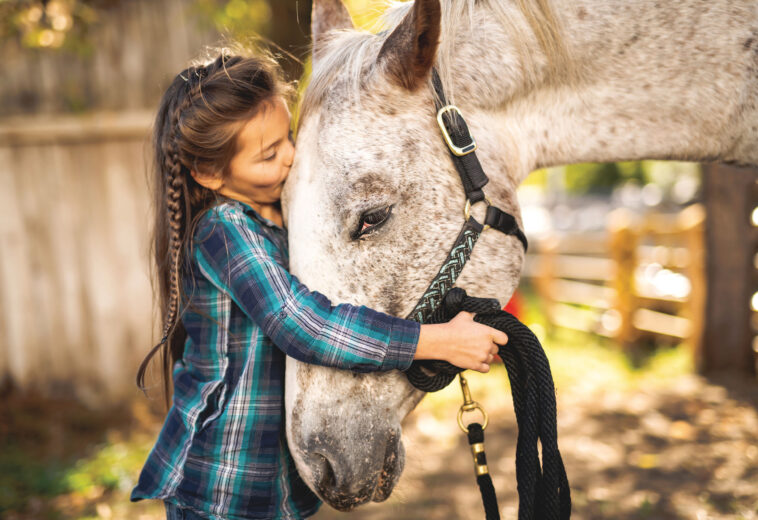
302 323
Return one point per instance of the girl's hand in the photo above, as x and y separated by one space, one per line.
461 342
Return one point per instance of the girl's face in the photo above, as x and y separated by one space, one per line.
264 156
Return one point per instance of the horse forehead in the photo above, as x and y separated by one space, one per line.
365 123
376 105
359 139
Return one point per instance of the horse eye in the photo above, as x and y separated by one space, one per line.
372 220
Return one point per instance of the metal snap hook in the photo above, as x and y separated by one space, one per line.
469 405
471 408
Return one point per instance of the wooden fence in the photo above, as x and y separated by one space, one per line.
137 46
643 277
75 312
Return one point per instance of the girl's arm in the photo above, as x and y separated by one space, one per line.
303 323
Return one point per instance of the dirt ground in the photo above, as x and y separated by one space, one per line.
652 443
686 451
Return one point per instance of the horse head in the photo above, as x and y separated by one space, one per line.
374 202
373 205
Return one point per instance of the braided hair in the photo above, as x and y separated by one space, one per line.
196 128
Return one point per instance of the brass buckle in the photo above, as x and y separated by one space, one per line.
460 152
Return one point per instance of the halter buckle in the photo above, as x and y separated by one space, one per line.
460 151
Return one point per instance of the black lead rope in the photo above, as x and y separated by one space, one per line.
543 487
483 479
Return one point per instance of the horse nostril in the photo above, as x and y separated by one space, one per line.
324 472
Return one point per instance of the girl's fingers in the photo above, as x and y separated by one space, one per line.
500 337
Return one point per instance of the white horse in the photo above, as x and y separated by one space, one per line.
541 83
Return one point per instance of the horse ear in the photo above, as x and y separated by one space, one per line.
408 53
328 15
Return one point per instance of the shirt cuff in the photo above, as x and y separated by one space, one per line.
402 345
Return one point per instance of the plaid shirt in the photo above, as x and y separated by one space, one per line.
222 450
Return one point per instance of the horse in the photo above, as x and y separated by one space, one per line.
373 201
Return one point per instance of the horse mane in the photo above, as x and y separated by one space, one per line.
351 53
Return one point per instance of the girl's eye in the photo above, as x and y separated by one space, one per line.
372 220
270 157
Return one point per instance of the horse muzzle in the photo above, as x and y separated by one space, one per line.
347 473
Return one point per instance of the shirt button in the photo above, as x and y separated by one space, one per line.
282 315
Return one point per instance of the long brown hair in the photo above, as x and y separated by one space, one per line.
196 128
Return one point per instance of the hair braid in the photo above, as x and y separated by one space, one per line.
175 195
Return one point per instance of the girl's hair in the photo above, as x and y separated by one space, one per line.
196 128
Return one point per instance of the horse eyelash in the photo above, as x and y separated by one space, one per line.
358 234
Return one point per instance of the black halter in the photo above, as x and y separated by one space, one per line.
462 148
543 487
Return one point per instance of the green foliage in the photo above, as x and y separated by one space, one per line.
239 18
536 178
677 178
112 466
67 24
55 24
22 476
601 177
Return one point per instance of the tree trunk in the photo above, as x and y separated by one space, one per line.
730 197
290 30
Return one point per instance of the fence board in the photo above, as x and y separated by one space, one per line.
582 293
583 267
661 323
75 295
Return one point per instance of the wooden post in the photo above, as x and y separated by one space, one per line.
290 30
730 247
623 248
545 278
692 223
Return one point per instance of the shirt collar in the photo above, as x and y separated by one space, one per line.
250 212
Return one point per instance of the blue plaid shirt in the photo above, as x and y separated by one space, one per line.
222 450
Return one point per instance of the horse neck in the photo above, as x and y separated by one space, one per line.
654 80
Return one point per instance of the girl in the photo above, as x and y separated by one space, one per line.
232 311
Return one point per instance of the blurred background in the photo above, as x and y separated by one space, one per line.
640 281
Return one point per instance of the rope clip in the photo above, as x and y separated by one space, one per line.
469 405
